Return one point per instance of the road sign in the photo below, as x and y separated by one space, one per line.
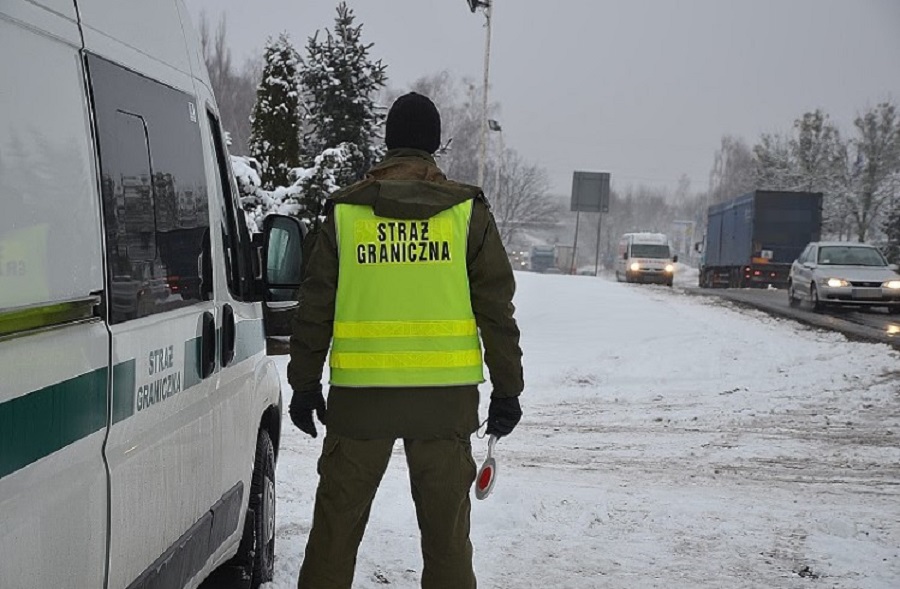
590 192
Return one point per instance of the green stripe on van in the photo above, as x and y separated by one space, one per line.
123 391
49 419
42 422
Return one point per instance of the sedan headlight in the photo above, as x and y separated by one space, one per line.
635 267
895 284
670 268
836 282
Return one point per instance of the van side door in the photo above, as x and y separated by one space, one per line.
161 450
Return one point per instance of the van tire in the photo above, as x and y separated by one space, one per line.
251 567
262 508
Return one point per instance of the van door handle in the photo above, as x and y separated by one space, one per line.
228 335
208 345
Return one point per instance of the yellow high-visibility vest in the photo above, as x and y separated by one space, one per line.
403 314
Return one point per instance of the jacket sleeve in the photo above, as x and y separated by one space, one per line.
492 286
313 321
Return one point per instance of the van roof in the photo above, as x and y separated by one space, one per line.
647 237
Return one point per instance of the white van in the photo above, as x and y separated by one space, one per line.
645 257
139 414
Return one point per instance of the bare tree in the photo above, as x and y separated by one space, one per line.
733 170
872 172
235 91
521 197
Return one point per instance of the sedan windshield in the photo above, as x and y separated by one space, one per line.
850 256
643 250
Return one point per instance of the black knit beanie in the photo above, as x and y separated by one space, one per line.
414 122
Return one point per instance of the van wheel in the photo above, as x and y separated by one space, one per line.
262 507
254 563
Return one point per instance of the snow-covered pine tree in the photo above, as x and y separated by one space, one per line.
340 82
276 119
330 171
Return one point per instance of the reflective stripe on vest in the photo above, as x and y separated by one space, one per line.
403 314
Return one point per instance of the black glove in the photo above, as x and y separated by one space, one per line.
302 406
503 415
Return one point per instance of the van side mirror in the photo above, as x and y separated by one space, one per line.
282 254
698 247
625 256
675 258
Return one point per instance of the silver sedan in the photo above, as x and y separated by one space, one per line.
844 274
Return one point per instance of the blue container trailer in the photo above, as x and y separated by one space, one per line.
752 240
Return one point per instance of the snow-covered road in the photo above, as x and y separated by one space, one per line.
668 441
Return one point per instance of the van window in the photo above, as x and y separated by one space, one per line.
49 218
153 186
235 237
649 250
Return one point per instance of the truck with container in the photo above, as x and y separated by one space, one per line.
752 240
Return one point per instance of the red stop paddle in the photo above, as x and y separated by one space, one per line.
487 474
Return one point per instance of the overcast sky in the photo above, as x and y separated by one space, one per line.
643 89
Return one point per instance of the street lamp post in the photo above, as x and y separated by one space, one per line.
494 125
488 6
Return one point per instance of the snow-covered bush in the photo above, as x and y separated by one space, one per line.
306 195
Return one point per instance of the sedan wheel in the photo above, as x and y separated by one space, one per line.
814 297
793 301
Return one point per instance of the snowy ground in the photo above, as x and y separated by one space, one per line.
668 441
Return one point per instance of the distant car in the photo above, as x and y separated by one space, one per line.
844 274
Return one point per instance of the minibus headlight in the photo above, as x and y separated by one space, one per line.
670 268
635 267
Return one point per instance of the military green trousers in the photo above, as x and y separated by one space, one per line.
441 474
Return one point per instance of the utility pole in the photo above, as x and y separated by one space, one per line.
494 125
488 8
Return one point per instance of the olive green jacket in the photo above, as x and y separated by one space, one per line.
407 184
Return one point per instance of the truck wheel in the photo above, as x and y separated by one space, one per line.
261 509
817 305
793 301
